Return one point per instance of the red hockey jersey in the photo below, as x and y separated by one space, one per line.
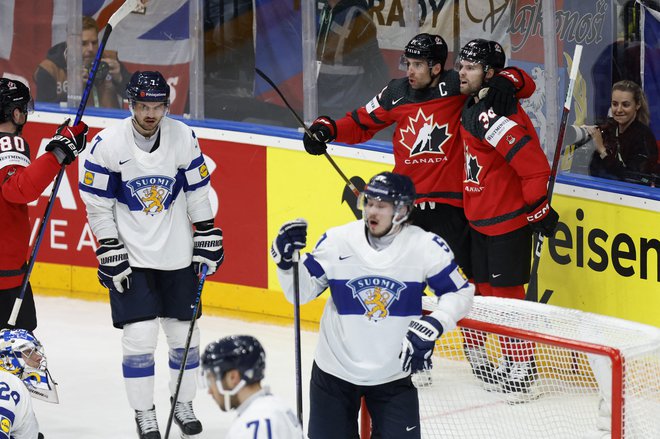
426 143
505 172
20 183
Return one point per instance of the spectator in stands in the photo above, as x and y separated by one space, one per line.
111 76
351 67
625 148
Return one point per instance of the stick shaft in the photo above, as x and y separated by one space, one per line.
182 368
296 323
122 12
532 287
304 127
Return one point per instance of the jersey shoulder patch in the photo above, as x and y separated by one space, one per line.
14 151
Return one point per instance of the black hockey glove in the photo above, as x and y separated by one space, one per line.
207 248
68 141
291 237
323 130
418 344
114 270
542 218
501 96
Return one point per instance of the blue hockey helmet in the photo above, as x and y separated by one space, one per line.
148 86
489 54
19 350
14 94
241 352
397 189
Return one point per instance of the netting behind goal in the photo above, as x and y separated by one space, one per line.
517 369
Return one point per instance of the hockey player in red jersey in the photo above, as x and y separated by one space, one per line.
22 181
425 109
505 199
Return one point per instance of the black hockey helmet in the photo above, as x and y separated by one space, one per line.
241 352
397 189
489 54
428 47
14 94
148 86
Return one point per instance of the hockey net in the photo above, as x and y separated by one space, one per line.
547 372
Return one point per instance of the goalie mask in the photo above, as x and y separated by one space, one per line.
394 188
14 94
243 353
21 354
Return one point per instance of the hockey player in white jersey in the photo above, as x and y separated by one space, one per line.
234 367
145 185
22 364
376 270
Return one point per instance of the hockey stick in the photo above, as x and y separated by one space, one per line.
304 127
198 297
296 329
532 287
119 15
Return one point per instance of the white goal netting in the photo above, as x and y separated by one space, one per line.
517 369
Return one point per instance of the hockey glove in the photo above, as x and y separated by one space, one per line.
542 218
114 271
501 96
68 141
322 131
291 237
207 249
418 344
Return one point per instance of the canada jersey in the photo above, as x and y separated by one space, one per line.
147 199
17 419
15 230
506 171
426 141
374 295
265 416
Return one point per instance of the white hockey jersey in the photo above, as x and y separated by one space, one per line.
17 419
147 199
374 295
265 416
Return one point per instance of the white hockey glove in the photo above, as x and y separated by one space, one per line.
114 270
207 249
418 344
291 237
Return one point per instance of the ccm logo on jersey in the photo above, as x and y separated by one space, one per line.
538 214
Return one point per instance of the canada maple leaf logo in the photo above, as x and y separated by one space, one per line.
472 168
421 135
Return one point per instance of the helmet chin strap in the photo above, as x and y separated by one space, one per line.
229 393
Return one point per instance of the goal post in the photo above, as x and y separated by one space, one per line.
519 369
554 372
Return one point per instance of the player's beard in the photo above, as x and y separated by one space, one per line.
147 129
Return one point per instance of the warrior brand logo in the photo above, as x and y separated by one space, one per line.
376 294
423 136
152 192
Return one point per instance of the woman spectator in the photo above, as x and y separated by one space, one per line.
625 146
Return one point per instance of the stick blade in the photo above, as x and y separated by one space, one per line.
123 11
